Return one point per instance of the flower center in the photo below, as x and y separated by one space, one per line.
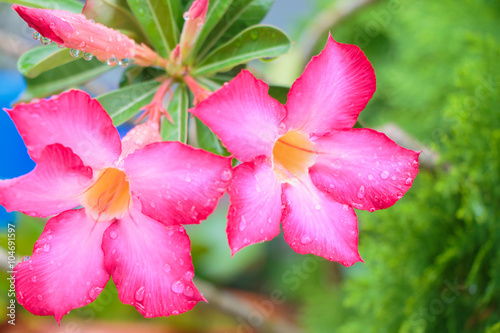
109 196
293 154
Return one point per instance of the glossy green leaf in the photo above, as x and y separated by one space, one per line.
124 103
73 6
208 141
177 131
252 43
115 14
216 10
42 58
240 15
157 17
137 74
63 77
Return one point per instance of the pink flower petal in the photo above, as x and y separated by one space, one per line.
176 183
75 31
313 223
52 187
151 265
331 92
255 211
139 137
66 270
244 116
363 168
72 119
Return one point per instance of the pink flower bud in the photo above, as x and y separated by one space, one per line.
195 18
76 32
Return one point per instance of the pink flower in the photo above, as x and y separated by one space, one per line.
303 163
76 32
133 203
195 19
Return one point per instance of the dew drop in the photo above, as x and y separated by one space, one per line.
361 192
45 41
26 258
82 45
185 16
189 275
166 268
188 291
384 174
139 294
370 177
40 297
111 61
94 292
33 278
88 56
254 35
393 177
74 53
175 312
336 164
345 207
226 175
243 224
125 62
306 240
317 206
408 181
188 179
372 209
36 35
400 195
46 247
113 234
178 286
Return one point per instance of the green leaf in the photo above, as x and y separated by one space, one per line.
216 10
240 15
178 110
124 103
63 77
280 93
208 141
255 42
73 6
115 14
137 74
42 58
158 20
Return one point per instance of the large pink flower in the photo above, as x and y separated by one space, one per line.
303 163
133 203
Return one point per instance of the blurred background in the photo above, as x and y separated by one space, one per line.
432 261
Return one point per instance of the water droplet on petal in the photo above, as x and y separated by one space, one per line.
175 312
26 258
82 45
226 175
40 297
188 179
188 291
88 56
33 278
185 16
337 164
139 294
370 177
112 61
74 53
317 206
36 35
178 286
45 41
361 192
125 62
243 223
408 181
94 292
46 247
113 234
384 174
306 240
166 268
345 207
